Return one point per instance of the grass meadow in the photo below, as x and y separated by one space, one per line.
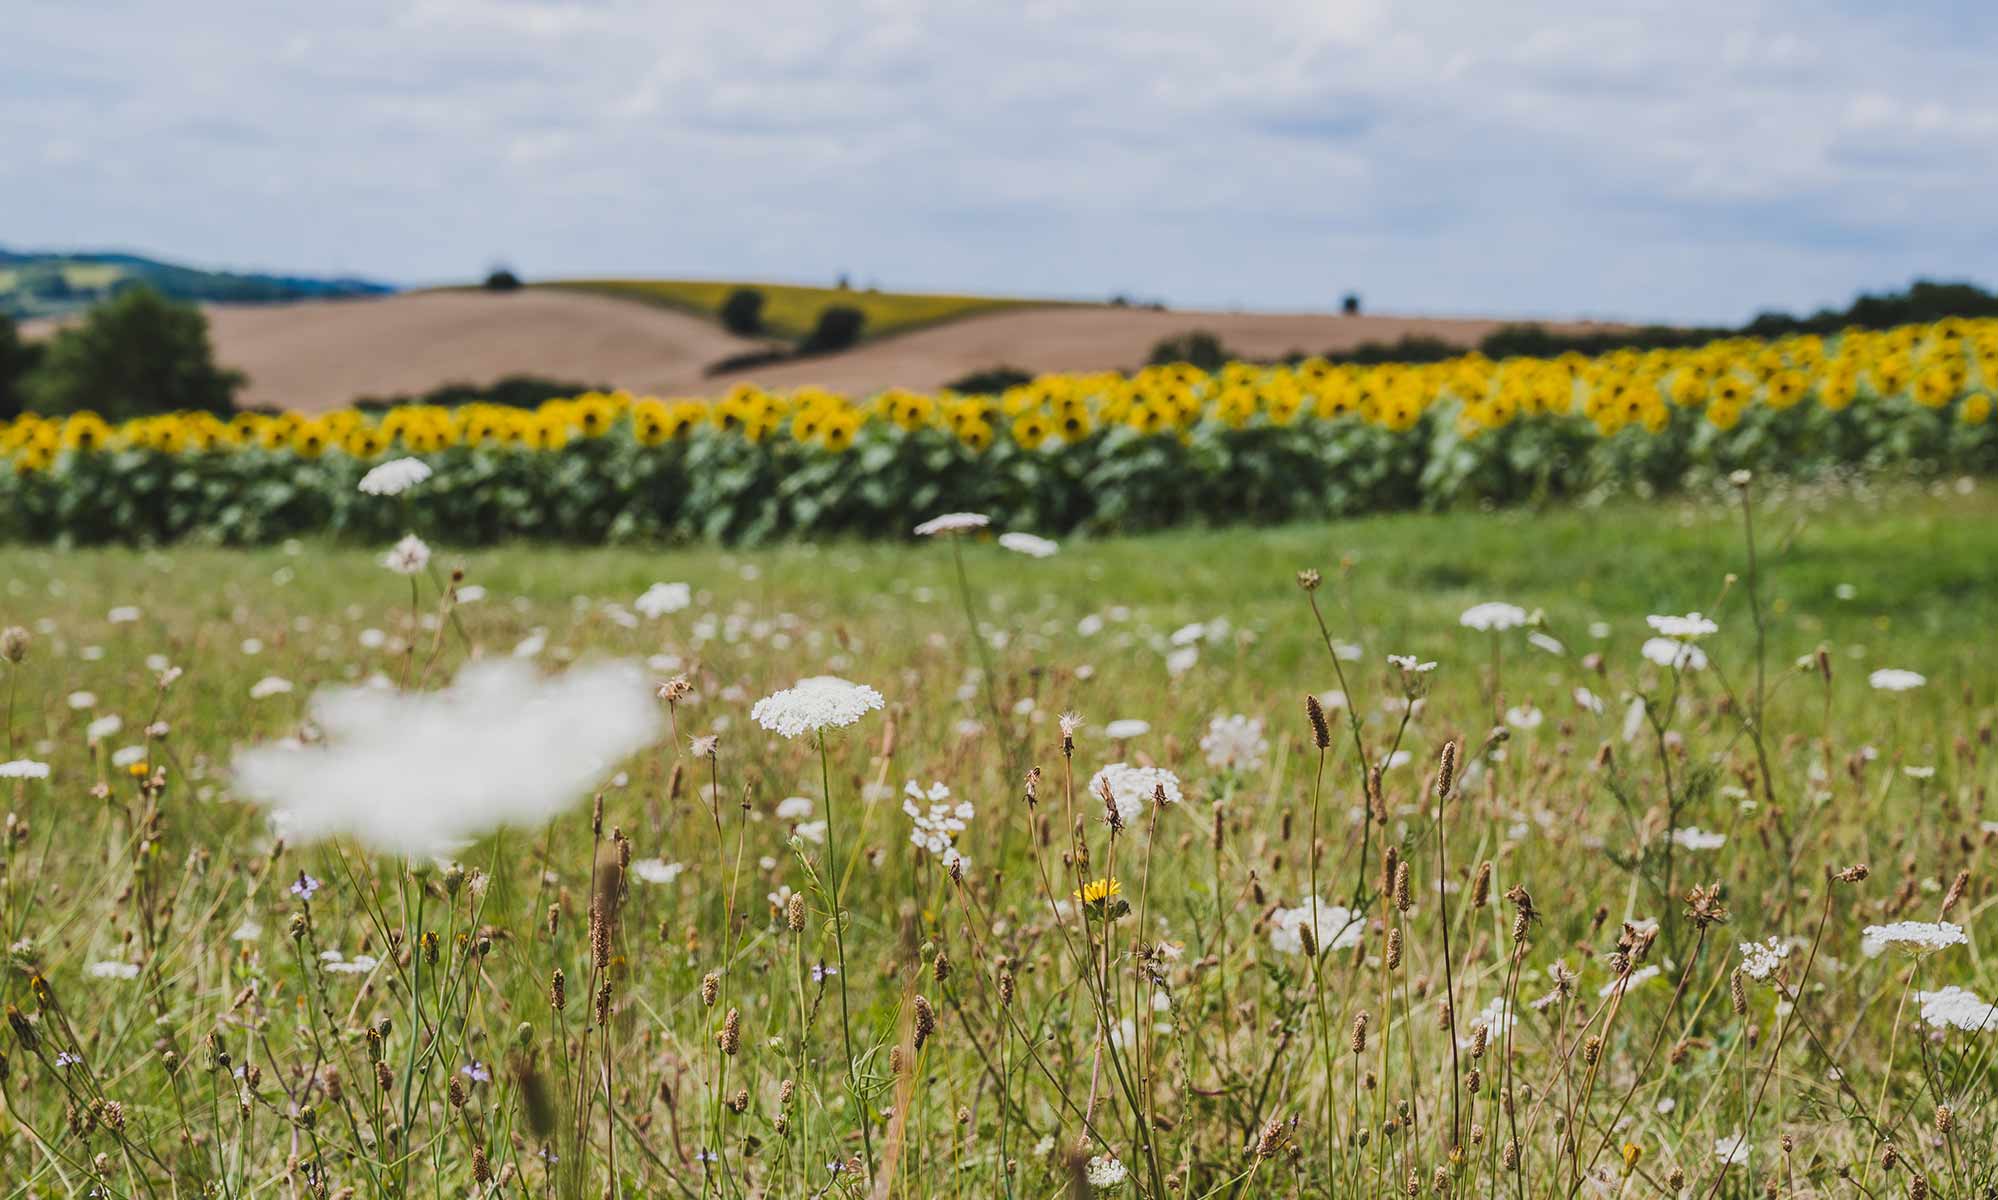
1571 912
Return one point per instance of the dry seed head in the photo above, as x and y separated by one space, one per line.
1272 1139
558 990
926 1021
1404 892
1358 1042
1481 885
1956 890
1737 994
1033 788
455 1091
710 988
1446 770
1945 1119
1321 732
14 643
1853 874
482 1168
1309 579
730 1038
940 967
1308 938
1394 949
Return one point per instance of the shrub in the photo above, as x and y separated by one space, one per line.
502 279
514 391
1351 304
990 381
1198 348
1409 348
838 329
134 355
17 358
742 312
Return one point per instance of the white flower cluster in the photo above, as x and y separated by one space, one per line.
408 556
813 705
937 826
1685 629
1337 928
1760 960
1132 788
1893 679
395 477
663 598
1692 837
1957 1008
1235 743
1493 617
1916 939
22 768
1670 652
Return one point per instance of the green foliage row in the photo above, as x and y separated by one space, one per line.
717 486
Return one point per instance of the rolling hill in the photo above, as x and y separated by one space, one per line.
46 284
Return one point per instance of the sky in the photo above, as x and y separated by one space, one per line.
1686 161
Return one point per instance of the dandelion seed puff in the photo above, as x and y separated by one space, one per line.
1492 617
662 599
1029 544
1893 679
395 477
22 768
654 870
268 686
1956 1007
1125 728
408 556
1666 652
425 772
815 705
1916 939
1684 629
1235 743
1692 837
1132 788
113 970
957 522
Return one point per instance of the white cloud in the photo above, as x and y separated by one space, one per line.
1700 160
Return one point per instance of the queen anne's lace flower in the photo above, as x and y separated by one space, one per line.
1492 617
1132 788
1760 960
22 768
1125 728
1105 1174
1029 545
957 522
814 705
1235 743
663 598
655 870
938 824
1957 1008
1732 1149
1917 939
1893 679
114 970
1337 928
395 477
1667 652
1692 837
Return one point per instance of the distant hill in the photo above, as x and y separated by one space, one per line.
37 284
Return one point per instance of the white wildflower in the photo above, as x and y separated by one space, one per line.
938 824
1917 939
1692 837
1492 617
662 599
113 970
408 556
1760 960
22 768
1235 743
395 477
1688 628
1132 788
657 870
957 522
1893 679
815 705
1125 728
1029 545
1955 1007
1669 653
1336 927
268 686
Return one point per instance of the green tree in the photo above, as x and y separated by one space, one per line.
17 358
133 355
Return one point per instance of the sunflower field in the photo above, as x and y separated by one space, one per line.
1165 446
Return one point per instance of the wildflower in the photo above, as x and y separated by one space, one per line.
395 477
476 1072
1492 617
936 827
1105 1174
22 768
1588 701
1408 664
78 701
1688 628
408 556
1683 656
1029 545
1541 641
822 972
113 970
1760 960
268 686
1235 743
1524 716
957 522
305 887
1126 728
420 773
1336 927
1692 837
128 756
124 614
795 808
103 727
1131 788
1096 891
1892 679
1494 1020
64 1059
662 599
1955 1007
1641 975
653 870
815 705
1917 939
1732 1150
